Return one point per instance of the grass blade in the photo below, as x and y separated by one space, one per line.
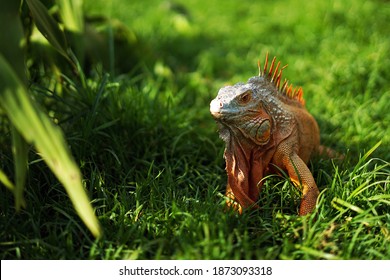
346 204
20 152
365 156
385 198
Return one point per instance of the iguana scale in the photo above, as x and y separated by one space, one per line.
266 128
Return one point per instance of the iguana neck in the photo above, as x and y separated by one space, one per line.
245 169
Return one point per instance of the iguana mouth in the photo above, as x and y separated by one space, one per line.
218 111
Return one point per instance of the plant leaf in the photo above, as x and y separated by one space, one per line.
11 36
71 12
37 128
6 182
48 27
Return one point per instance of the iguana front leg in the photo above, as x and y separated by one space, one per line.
301 176
287 158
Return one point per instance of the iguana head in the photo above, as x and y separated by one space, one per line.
250 111
240 110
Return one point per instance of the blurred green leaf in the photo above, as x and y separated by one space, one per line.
20 152
48 27
11 36
6 182
37 128
71 12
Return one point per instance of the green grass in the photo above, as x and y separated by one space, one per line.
151 157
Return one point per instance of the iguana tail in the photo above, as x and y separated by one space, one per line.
324 151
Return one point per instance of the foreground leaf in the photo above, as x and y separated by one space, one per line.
48 27
37 128
6 182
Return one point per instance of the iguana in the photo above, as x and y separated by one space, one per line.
266 128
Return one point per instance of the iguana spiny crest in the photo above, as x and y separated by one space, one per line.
266 127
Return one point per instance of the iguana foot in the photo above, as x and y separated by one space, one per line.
308 202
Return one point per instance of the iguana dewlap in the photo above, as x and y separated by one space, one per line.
266 128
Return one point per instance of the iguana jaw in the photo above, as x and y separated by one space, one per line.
219 111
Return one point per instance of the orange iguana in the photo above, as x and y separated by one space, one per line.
266 128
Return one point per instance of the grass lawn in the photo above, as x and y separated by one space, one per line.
149 150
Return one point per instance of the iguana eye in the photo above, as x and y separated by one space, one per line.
245 97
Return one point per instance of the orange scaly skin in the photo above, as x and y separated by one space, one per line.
266 127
